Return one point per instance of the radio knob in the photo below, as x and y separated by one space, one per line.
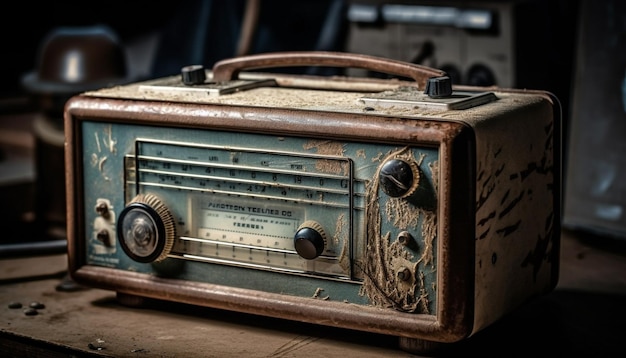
193 75
399 178
310 240
439 87
146 229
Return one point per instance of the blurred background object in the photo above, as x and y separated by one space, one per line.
595 197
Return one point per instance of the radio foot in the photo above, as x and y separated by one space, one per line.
130 300
67 284
420 346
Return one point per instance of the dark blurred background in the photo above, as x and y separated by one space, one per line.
574 49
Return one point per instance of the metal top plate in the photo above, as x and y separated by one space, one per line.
411 97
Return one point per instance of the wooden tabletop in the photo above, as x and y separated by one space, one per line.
584 315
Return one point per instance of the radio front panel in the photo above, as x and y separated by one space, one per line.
238 199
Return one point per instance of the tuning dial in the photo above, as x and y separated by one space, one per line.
146 229
399 178
310 240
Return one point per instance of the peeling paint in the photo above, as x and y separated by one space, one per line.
385 258
429 233
318 292
339 227
399 212
434 171
378 158
338 237
94 159
97 142
327 147
110 143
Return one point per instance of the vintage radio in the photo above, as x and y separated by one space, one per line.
404 207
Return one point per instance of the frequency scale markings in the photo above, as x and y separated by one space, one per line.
294 187
259 257
271 175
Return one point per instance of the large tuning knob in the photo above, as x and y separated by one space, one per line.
402 179
146 229
399 178
310 240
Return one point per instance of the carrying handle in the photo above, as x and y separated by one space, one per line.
228 70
